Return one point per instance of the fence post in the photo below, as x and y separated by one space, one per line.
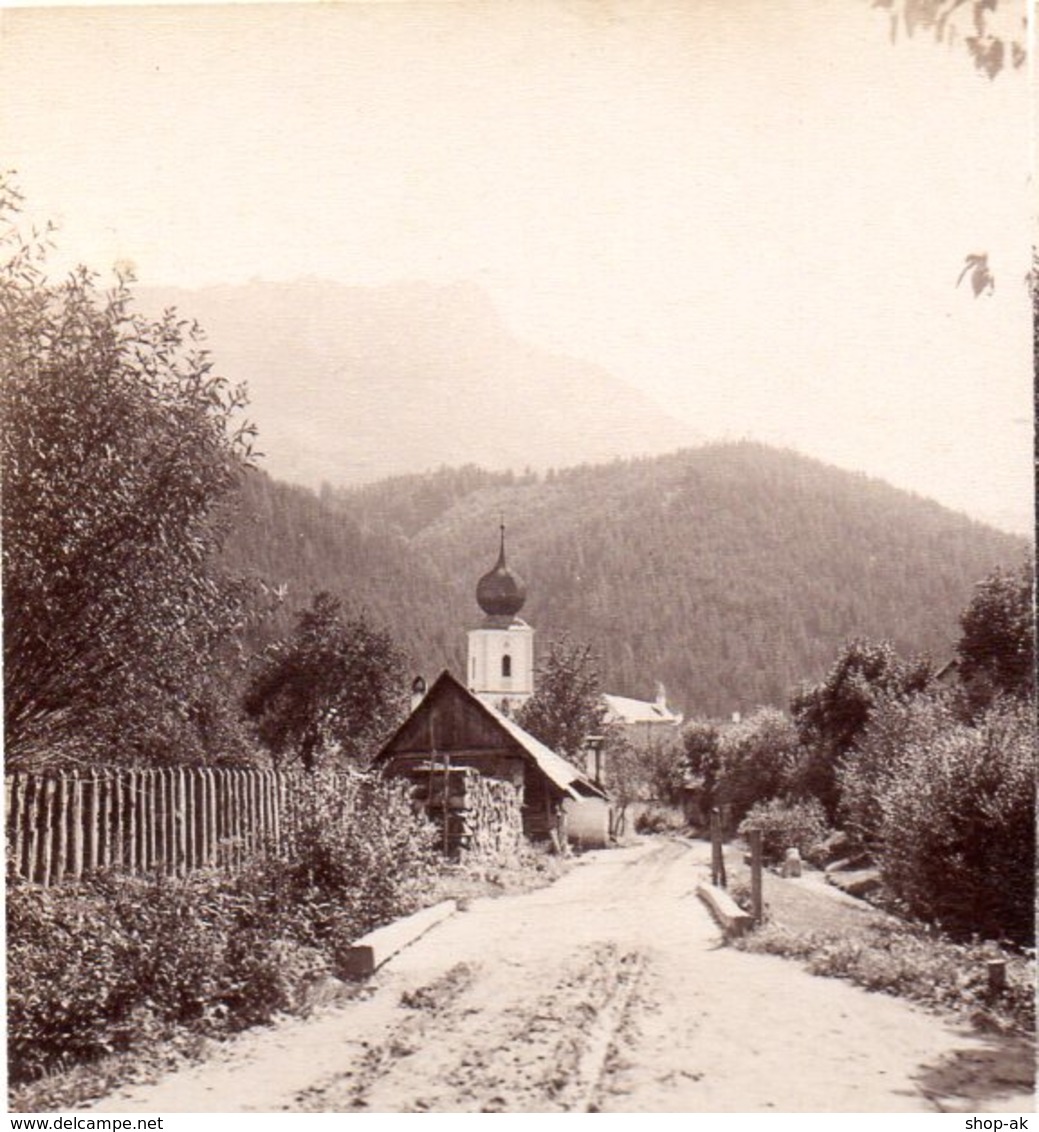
46 857
104 836
18 816
222 826
235 803
15 819
255 821
180 811
152 798
197 808
119 824
93 822
754 836
157 790
211 817
276 809
61 802
9 794
268 810
132 822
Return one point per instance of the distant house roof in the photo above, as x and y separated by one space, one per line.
621 709
413 735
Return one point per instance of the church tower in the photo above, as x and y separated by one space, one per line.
501 649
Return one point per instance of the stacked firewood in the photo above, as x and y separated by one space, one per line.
477 817
493 818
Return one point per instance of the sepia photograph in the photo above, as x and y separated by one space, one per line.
518 531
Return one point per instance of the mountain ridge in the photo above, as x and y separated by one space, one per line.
352 384
729 572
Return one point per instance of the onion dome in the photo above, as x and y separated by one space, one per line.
501 593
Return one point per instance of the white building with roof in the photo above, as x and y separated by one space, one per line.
642 720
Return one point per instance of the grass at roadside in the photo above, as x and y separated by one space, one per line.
845 939
534 867
66 1088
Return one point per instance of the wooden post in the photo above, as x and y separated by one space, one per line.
997 977
212 844
34 788
10 791
62 819
718 877
93 822
182 812
104 785
15 818
754 837
258 830
119 822
76 826
197 787
235 803
145 820
273 842
172 831
276 801
132 819
49 831
244 813
158 793
223 825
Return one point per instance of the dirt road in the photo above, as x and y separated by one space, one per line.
607 992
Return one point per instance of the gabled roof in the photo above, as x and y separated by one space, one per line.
626 710
561 773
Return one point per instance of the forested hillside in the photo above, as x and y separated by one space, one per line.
729 572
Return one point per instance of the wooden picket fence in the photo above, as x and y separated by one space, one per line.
173 820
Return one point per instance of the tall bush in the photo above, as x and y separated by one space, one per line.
115 960
758 758
898 728
832 715
358 855
956 829
786 825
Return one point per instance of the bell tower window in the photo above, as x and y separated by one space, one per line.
506 665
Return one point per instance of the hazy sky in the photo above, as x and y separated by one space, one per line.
753 210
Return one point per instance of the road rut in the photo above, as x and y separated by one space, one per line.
608 991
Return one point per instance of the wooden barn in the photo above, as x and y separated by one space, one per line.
451 727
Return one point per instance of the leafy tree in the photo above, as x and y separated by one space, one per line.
702 757
992 43
758 757
635 772
120 451
335 687
831 715
625 776
665 770
995 35
567 705
997 646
